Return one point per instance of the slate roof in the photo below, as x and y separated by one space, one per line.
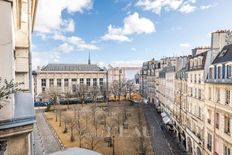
204 55
182 73
71 67
225 55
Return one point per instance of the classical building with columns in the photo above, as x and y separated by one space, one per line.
67 77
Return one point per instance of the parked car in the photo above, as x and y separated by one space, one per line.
40 104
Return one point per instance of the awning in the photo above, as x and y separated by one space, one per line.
163 114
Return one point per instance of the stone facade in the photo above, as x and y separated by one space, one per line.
193 95
67 80
17 115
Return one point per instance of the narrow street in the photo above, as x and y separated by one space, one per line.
44 140
163 142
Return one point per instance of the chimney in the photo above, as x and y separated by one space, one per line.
219 39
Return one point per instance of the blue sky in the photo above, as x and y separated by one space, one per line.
124 31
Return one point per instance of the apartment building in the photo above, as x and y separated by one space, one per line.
17 114
195 103
151 81
180 105
218 102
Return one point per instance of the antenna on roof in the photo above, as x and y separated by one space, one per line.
89 61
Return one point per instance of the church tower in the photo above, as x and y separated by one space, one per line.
89 61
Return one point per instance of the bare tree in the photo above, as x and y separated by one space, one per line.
7 89
92 140
82 91
124 90
81 134
54 93
130 87
86 119
65 120
95 92
118 120
93 111
71 124
68 95
114 89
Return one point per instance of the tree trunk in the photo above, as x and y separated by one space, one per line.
60 119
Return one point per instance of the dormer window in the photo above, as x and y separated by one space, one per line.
223 52
229 71
219 71
210 73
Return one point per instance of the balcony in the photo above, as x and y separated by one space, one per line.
22 113
219 80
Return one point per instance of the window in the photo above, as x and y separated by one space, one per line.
210 73
74 88
209 93
199 94
43 89
74 80
81 81
191 78
226 150
209 144
217 120
43 82
88 82
209 116
195 78
218 94
227 124
58 82
101 81
51 82
66 82
199 78
219 72
94 82
229 71
195 92
227 97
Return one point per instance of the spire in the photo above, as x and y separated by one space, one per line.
89 61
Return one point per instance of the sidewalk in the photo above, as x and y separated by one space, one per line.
171 140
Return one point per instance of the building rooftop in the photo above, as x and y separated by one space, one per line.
225 55
71 67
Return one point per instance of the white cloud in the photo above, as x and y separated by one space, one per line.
133 24
43 58
76 42
115 34
81 44
187 8
49 14
157 5
133 49
64 48
185 45
204 7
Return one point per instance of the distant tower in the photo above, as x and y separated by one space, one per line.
89 61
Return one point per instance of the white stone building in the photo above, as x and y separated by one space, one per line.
67 77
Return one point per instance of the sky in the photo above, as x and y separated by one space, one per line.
124 31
